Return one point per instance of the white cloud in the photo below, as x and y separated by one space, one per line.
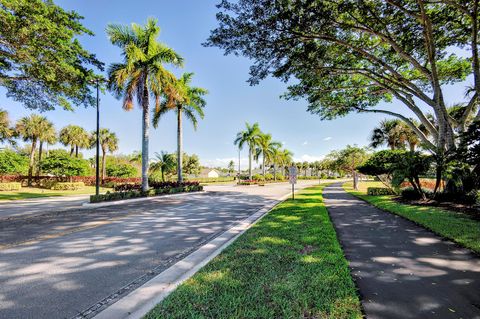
223 162
308 158
328 138
305 143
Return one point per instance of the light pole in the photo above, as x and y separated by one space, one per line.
97 81
238 164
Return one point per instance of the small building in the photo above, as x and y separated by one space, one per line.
209 173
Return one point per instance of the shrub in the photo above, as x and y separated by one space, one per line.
471 198
279 177
247 182
212 179
108 196
377 191
68 186
410 193
62 164
12 186
269 177
13 163
121 170
258 177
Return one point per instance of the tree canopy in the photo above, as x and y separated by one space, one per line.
42 63
349 56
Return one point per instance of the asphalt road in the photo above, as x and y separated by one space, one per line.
74 262
403 270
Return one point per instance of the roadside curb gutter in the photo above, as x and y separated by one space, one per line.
140 301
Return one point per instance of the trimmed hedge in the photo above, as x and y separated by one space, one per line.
378 191
13 186
136 194
68 186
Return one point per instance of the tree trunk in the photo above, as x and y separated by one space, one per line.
76 150
263 165
40 150
250 164
355 180
104 164
32 161
72 149
179 145
145 129
274 172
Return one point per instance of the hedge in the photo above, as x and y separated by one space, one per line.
377 191
68 186
137 194
13 186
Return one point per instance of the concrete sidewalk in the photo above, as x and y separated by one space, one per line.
401 269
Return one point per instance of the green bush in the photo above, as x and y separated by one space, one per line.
212 179
410 193
60 163
13 186
108 196
258 177
13 163
269 177
121 170
280 177
377 191
68 186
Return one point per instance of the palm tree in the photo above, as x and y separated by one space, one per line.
266 147
189 102
75 137
389 132
6 131
30 128
283 158
163 163
251 137
108 143
47 135
142 74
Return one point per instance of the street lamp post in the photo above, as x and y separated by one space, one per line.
239 164
97 81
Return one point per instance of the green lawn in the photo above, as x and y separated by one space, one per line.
455 226
288 265
33 192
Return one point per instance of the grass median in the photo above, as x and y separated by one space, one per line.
455 226
288 265
33 192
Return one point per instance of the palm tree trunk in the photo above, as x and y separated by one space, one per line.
40 150
32 161
263 165
145 129
104 163
250 164
274 171
179 145
72 149
76 150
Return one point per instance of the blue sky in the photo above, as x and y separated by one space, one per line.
231 102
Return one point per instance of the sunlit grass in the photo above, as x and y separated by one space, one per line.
33 192
289 265
455 226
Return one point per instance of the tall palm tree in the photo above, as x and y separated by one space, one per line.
30 128
47 135
163 163
142 74
266 147
250 137
189 102
75 137
108 143
389 132
285 159
6 131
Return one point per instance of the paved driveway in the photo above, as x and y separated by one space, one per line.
76 262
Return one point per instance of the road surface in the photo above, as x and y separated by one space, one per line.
72 263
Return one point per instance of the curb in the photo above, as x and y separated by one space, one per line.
135 200
140 301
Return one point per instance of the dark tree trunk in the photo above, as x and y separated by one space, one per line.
32 161
179 145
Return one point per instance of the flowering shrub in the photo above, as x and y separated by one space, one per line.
154 185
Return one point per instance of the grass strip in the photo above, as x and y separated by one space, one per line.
33 192
454 226
288 265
